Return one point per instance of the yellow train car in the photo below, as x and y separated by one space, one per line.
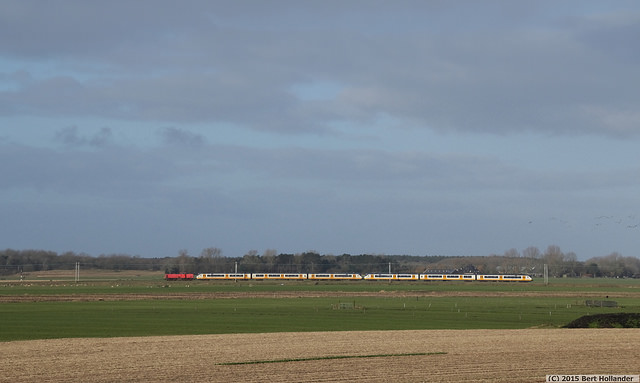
341 277
279 276
432 277
447 277
222 276
504 278
392 277
369 277
459 277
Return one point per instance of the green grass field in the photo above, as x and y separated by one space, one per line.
146 285
41 320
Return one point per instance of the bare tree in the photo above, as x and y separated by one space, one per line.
184 262
554 257
612 265
210 252
210 259
251 262
513 253
269 259
531 252
632 265
571 264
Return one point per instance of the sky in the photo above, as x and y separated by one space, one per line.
380 127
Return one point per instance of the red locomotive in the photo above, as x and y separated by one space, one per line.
179 277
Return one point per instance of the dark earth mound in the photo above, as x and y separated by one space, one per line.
620 320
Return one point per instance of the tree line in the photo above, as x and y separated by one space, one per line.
530 261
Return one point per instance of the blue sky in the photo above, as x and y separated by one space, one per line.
407 127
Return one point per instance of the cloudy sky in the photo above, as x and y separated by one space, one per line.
386 127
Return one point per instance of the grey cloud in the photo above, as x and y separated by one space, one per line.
453 68
128 171
70 136
181 137
53 96
215 192
72 28
490 67
106 171
360 172
612 34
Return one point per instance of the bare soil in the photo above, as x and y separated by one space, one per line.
470 356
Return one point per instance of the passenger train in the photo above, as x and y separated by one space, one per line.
358 277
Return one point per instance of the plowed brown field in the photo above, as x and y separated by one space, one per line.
470 355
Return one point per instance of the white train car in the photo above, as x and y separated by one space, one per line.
279 276
221 276
342 277
392 277
504 278
369 277
447 277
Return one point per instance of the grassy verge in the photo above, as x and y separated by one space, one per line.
159 286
